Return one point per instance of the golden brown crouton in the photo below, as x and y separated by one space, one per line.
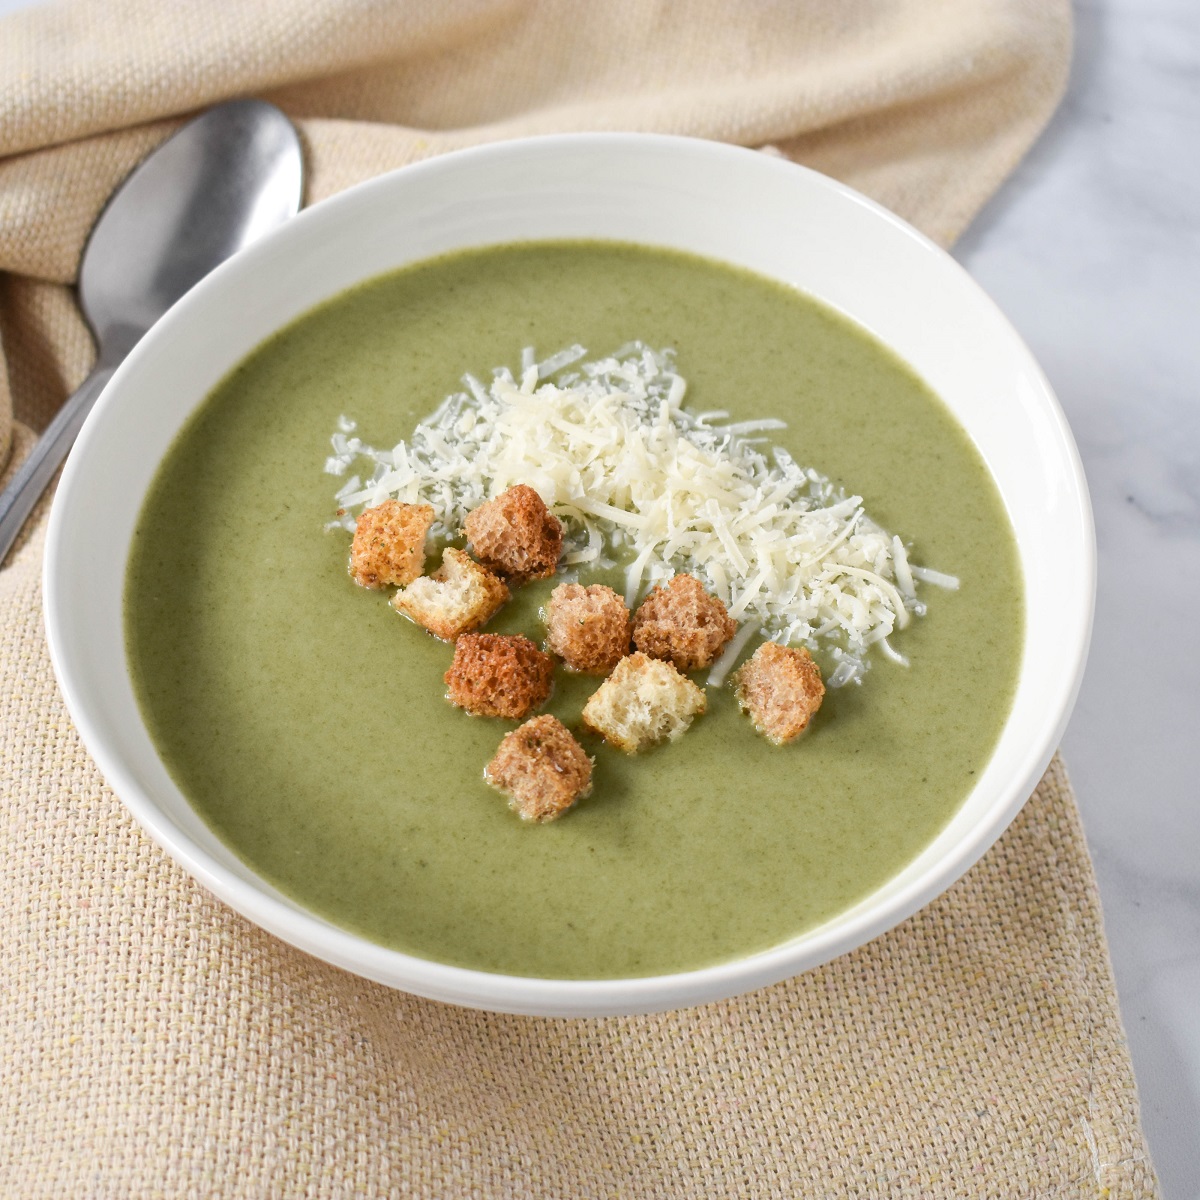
389 544
645 700
460 595
589 628
541 768
781 689
516 535
498 675
681 623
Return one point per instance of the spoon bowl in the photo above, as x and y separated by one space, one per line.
217 185
214 187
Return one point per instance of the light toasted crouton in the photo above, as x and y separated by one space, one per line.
644 700
780 687
541 768
498 675
389 544
589 628
681 623
516 535
460 595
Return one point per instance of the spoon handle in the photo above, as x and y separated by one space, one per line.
27 485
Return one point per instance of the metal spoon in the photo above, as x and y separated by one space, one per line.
218 184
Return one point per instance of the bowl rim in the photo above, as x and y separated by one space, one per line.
529 994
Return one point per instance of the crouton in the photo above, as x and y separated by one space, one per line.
460 595
644 700
497 675
682 624
589 628
516 535
781 689
389 544
541 768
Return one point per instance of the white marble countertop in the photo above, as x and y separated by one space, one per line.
1093 250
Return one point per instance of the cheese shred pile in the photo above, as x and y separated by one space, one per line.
634 476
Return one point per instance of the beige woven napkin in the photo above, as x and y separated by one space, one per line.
152 1043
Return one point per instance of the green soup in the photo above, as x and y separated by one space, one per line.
306 721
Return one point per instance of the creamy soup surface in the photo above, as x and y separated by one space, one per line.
306 720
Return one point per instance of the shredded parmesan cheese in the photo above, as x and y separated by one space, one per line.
630 472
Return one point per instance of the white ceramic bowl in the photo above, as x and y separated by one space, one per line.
719 201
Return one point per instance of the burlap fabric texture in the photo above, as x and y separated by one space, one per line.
154 1044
